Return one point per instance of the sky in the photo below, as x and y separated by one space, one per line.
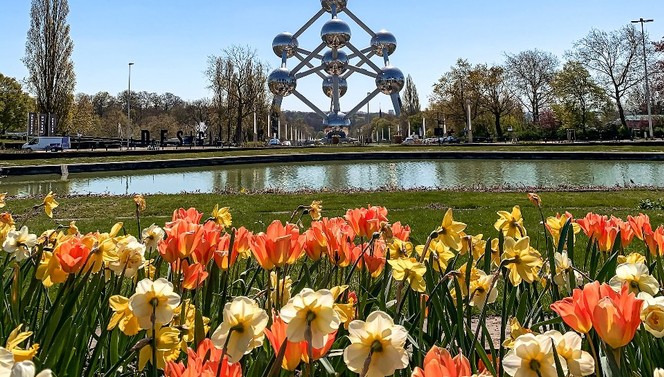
169 41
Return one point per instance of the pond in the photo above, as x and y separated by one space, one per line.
365 175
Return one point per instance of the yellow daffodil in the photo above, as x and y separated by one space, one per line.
637 277
511 224
525 262
411 270
188 322
17 337
72 230
49 204
460 275
473 243
532 355
310 311
122 316
440 252
535 199
346 312
632 258
563 269
153 299
151 236
103 250
377 346
652 314
19 243
168 348
130 257
222 216
516 330
568 346
482 290
140 202
450 231
281 288
49 271
315 210
400 249
555 225
659 372
3 195
242 328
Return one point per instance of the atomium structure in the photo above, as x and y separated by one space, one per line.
334 65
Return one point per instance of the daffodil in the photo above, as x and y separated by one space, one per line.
652 314
637 277
310 314
563 269
10 368
400 249
511 223
482 290
377 346
154 301
49 271
440 252
122 316
535 199
524 261
20 243
16 337
222 216
168 348
140 202
3 195
568 346
631 258
282 288
555 226
151 236
410 270
516 330
49 204
242 328
659 372
532 355
315 210
450 231
187 321
130 257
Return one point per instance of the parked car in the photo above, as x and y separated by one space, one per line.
286 143
408 141
451 139
274 142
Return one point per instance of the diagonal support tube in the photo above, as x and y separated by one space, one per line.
360 105
364 58
359 22
308 103
309 23
307 59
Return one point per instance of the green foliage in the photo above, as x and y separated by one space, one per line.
15 104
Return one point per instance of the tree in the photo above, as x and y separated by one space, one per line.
454 91
613 56
14 105
48 51
530 73
410 100
496 97
577 93
84 119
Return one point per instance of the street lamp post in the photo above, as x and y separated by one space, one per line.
129 105
645 67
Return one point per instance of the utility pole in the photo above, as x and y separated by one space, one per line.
129 106
645 67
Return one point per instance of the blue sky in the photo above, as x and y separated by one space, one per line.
169 40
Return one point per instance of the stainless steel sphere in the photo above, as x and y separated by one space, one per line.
327 4
384 40
335 66
390 80
336 120
284 42
335 33
281 83
328 87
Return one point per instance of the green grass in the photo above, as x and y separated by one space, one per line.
58 159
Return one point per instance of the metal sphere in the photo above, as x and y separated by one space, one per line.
327 5
336 120
281 83
384 40
335 33
390 80
335 66
328 86
284 42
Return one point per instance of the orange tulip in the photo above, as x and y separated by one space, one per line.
592 224
72 255
194 275
606 237
223 257
626 230
658 238
574 312
366 221
203 362
439 363
277 336
281 245
210 234
375 261
317 353
639 224
190 215
401 232
616 317
316 241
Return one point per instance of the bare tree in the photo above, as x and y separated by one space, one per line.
613 57
48 51
496 97
530 73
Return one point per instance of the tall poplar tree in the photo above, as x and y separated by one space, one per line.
48 51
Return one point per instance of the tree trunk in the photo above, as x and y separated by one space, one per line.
621 111
499 130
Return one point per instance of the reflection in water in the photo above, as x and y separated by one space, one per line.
347 175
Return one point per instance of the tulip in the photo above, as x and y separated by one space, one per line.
276 335
574 312
439 363
616 317
281 245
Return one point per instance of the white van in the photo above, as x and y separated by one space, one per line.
48 143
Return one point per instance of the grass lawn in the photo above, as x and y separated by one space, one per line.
423 211
57 159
